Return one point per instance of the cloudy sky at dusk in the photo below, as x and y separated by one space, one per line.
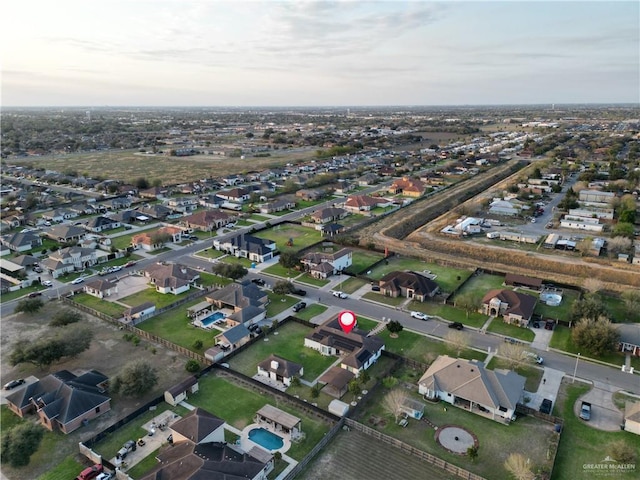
288 53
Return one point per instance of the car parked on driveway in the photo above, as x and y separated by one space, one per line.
90 472
77 281
546 406
47 283
299 306
258 281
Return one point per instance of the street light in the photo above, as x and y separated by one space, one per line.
575 370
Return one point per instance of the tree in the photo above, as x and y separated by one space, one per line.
20 442
68 342
394 326
282 287
595 336
394 401
354 387
192 366
29 305
472 452
591 306
233 271
518 466
135 379
631 299
593 285
141 183
622 452
458 340
289 259
315 390
623 229
389 382
65 317
160 238
618 245
364 377
514 354
197 344
467 303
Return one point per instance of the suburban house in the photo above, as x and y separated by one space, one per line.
237 195
331 229
68 260
468 384
357 351
406 186
247 246
150 241
244 302
179 393
153 192
235 337
277 206
207 220
139 311
632 417
198 450
310 194
159 212
330 214
59 215
62 400
279 421
408 284
514 307
280 370
99 224
21 242
505 207
171 278
323 265
65 233
364 203
182 204
514 280
100 288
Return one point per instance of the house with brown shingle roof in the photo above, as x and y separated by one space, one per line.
171 278
100 288
279 369
468 384
150 241
408 284
330 214
206 220
362 203
409 187
514 307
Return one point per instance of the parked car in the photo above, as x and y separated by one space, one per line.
299 292
35 294
299 306
13 384
535 357
129 446
585 411
375 288
47 283
90 472
77 281
548 325
420 315
130 264
258 281
456 325
339 294
105 476
546 406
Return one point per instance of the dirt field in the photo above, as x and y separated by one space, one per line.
108 354
356 456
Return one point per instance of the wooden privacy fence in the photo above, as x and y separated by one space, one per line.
405 447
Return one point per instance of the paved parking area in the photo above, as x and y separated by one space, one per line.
548 388
128 285
604 414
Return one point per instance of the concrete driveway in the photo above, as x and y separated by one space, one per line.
604 414
128 285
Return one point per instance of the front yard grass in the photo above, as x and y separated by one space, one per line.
377 297
362 260
616 309
451 313
318 282
175 326
531 373
123 241
232 259
311 311
352 284
109 308
479 285
523 333
214 395
288 344
282 272
160 300
208 279
302 236
279 303
210 253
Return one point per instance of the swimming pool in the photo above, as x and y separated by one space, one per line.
265 438
213 318
551 299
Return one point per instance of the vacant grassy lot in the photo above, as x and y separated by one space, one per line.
496 441
479 285
302 236
362 261
581 444
112 309
447 278
176 327
451 313
288 344
215 393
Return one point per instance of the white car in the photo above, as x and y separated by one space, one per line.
47 283
78 280
340 294
420 315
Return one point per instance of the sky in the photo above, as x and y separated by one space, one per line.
326 53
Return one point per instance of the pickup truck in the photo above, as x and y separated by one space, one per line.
585 411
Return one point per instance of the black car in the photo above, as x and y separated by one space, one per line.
548 325
35 294
13 384
258 281
299 292
456 325
299 306
546 405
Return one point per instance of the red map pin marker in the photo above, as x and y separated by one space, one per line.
347 321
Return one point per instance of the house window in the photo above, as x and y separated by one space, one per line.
97 409
503 409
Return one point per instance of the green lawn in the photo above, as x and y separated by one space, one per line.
450 313
498 326
288 344
210 253
208 279
144 466
318 282
280 271
68 468
122 241
214 395
302 236
366 324
175 326
617 313
582 444
6 297
362 261
447 278
562 311
311 311
531 373
479 285
109 308
377 297
160 300
496 441
279 303
232 259
259 218
351 284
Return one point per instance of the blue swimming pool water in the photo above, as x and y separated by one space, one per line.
212 319
263 437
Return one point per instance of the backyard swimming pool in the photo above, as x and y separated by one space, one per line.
213 318
551 299
265 438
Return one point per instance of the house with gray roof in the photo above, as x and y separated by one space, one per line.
100 288
70 259
62 400
468 384
279 369
235 337
171 278
21 242
244 245
65 233
100 224
245 301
